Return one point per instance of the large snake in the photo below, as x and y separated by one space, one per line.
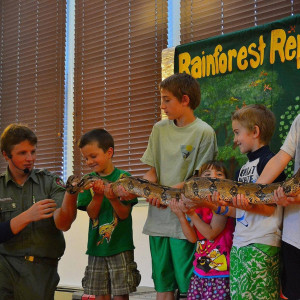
195 189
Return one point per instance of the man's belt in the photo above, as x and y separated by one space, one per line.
42 260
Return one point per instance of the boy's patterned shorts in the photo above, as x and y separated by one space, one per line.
254 274
116 275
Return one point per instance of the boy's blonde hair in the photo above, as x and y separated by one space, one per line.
180 84
215 164
259 115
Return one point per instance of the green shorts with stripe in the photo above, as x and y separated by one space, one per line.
172 263
111 275
254 272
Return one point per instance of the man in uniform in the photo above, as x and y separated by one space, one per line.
37 207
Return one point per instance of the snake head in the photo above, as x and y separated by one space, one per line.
72 185
75 184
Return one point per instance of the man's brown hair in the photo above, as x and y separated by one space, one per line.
14 134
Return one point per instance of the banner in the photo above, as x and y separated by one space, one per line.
257 65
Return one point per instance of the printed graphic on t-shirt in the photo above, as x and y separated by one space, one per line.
242 219
187 150
106 230
208 258
248 174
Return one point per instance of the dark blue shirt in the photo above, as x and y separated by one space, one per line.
5 231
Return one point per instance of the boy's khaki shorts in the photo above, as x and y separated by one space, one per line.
111 275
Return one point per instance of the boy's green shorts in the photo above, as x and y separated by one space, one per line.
172 263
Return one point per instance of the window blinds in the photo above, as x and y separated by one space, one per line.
117 71
32 74
201 19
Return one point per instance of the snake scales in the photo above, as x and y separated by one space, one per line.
196 189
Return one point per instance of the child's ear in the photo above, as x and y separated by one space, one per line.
256 131
185 100
110 151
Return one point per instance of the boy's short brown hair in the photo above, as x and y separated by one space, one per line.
99 135
180 84
259 115
15 134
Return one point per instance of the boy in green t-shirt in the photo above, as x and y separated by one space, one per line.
111 268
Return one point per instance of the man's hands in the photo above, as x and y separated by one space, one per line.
40 210
43 209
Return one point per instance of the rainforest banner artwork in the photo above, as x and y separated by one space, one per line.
257 65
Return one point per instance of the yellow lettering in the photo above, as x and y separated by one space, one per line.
231 53
298 51
261 49
278 38
210 65
196 67
218 49
184 61
203 64
223 63
290 45
253 63
240 57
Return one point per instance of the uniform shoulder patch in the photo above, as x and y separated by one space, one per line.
60 182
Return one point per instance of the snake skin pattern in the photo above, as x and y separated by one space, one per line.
195 189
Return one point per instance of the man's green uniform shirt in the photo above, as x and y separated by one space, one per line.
40 238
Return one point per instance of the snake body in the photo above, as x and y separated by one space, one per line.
195 189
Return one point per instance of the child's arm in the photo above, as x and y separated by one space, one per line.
241 202
274 167
221 207
177 207
151 175
271 171
212 230
122 210
94 206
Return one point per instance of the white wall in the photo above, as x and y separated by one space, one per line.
72 265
